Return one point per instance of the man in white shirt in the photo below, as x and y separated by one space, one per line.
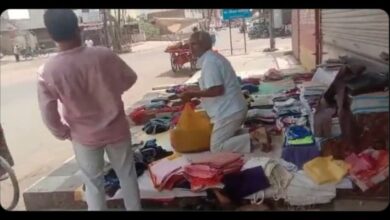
221 97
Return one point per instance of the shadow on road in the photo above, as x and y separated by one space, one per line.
186 72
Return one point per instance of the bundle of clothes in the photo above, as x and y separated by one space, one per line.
197 174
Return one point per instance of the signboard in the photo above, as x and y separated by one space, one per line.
228 14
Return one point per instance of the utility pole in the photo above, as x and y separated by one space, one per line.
105 29
271 30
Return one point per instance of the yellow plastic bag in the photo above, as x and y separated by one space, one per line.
192 132
325 170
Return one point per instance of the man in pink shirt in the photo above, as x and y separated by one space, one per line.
89 82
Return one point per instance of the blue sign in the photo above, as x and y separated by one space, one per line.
236 13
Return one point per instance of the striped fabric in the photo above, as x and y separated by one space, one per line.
370 102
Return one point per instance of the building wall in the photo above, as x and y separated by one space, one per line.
307 38
295 32
35 20
193 13
90 16
44 38
23 39
173 13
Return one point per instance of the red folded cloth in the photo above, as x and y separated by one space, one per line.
216 160
208 170
369 168
201 176
255 81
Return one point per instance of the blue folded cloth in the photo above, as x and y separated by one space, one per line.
250 87
297 132
299 154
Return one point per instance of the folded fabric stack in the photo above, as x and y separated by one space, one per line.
201 172
176 89
251 88
267 88
326 170
369 168
264 115
299 146
277 173
157 125
368 82
242 184
311 92
287 121
261 100
207 170
284 106
252 80
297 135
312 88
273 75
165 173
302 77
370 102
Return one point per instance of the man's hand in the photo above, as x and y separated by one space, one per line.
192 88
186 96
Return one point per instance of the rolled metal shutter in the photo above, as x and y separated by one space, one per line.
359 33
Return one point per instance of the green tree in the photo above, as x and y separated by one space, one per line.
149 29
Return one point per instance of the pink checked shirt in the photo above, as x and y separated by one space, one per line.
89 82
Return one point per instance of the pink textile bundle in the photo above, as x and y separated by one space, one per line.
273 75
216 160
369 168
207 170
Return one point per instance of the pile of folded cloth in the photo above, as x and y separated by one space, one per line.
326 170
200 171
370 102
297 135
311 92
273 75
208 170
302 77
299 145
157 125
264 115
165 173
368 168
156 108
284 106
250 84
287 121
176 89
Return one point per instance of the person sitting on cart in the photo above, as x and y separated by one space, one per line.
221 97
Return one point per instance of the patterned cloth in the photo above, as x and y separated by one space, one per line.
369 168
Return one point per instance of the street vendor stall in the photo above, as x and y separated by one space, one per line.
309 166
